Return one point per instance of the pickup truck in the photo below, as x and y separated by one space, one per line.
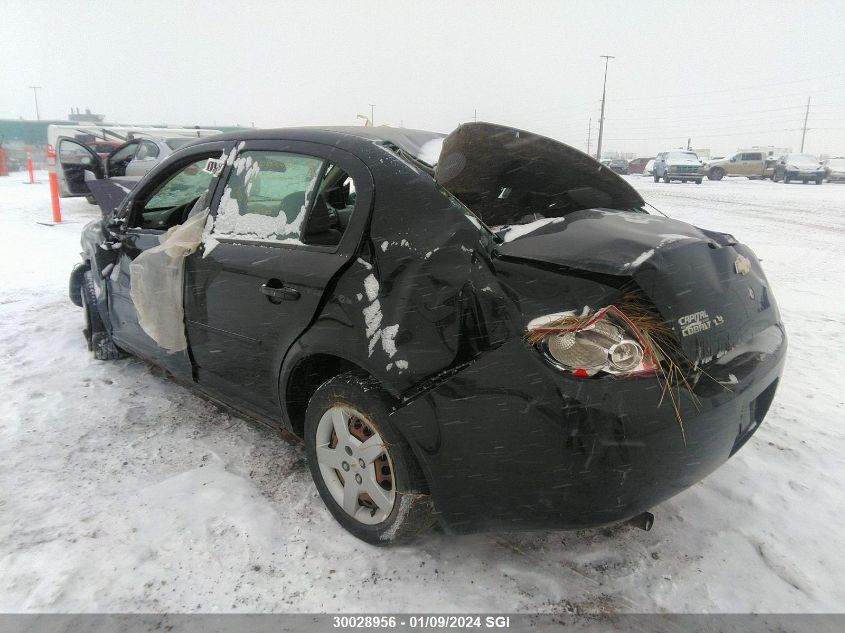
678 164
753 165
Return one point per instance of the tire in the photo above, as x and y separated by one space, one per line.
388 501
95 332
819 181
656 178
717 173
666 176
698 181
786 177
774 176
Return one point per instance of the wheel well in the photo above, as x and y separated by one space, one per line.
305 379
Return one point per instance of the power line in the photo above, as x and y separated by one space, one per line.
705 135
723 90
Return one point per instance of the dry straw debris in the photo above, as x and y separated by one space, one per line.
659 342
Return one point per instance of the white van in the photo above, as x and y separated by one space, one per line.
107 151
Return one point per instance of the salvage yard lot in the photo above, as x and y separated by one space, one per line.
122 491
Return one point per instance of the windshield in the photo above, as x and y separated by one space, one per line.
803 158
682 156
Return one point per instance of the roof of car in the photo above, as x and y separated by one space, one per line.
406 139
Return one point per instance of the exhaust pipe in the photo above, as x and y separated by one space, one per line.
643 521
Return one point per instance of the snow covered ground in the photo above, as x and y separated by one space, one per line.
122 491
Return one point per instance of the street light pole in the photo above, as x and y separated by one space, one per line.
35 90
806 116
372 114
607 59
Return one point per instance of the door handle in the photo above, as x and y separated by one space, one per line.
283 293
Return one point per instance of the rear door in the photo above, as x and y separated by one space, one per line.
73 159
754 164
253 289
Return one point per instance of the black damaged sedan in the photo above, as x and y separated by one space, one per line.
486 330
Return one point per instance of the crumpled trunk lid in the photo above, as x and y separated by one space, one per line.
503 174
711 289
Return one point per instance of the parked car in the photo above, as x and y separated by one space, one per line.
131 160
678 164
619 165
803 167
753 165
834 170
638 165
606 161
648 170
333 284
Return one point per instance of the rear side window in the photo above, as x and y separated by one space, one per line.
267 196
147 150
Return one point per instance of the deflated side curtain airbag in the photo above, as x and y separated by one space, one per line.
156 287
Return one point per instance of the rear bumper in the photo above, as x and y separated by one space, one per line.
510 443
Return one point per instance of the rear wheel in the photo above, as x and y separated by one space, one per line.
363 468
819 181
717 173
666 176
786 177
656 178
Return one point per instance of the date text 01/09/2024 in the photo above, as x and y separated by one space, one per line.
422 621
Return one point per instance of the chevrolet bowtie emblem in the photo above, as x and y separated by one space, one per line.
742 265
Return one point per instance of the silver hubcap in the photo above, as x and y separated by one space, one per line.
355 465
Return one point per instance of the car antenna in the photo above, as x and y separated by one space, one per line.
656 209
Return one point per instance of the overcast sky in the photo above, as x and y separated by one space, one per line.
727 74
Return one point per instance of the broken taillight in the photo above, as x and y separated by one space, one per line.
603 341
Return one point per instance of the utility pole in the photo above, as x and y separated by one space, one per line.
35 90
806 116
607 59
372 114
589 132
